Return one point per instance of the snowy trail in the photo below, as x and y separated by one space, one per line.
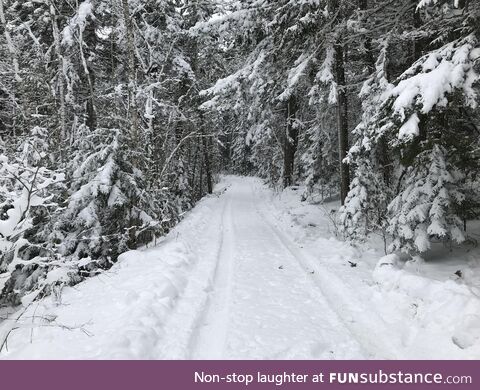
356 314
262 302
209 338
250 275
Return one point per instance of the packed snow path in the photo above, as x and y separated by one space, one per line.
263 301
256 275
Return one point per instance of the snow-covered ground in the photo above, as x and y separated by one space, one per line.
257 275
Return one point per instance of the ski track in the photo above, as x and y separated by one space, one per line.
243 277
208 340
354 315
188 311
254 298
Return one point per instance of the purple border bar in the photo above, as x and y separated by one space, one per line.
180 375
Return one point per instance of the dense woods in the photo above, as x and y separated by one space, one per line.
117 115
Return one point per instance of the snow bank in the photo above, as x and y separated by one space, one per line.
419 309
446 312
99 319
120 314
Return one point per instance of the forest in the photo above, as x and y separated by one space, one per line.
118 116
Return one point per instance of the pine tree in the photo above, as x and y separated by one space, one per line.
125 179
426 208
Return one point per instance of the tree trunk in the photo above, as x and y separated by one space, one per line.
200 182
193 177
342 121
418 47
91 40
131 74
342 102
418 43
13 53
383 156
290 143
369 58
208 166
11 48
61 78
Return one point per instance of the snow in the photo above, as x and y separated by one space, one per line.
409 129
85 10
22 187
253 274
424 3
430 88
325 75
232 81
427 205
183 66
294 76
418 309
10 43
